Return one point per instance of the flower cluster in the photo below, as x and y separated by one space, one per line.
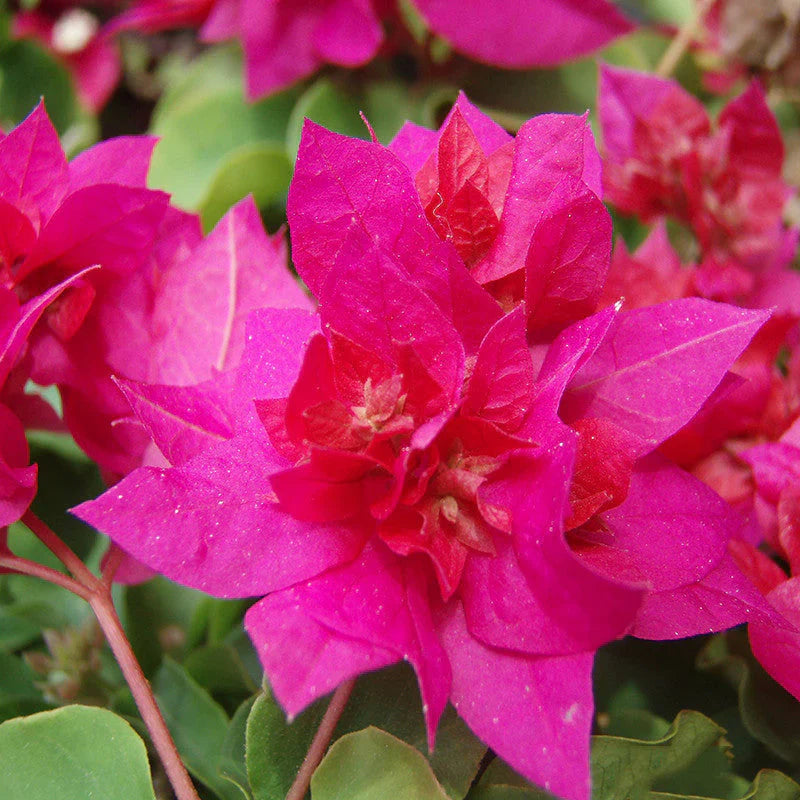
454 461
287 40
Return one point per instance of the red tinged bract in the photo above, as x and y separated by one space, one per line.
665 157
411 473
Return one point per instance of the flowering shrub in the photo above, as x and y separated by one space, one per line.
439 442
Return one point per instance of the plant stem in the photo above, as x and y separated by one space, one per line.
681 42
322 737
25 567
59 549
97 592
113 559
103 607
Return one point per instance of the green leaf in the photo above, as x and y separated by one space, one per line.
16 678
218 668
626 769
373 765
157 617
263 170
504 792
770 784
275 749
15 630
28 72
200 132
232 763
389 699
197 723
73 753
768 711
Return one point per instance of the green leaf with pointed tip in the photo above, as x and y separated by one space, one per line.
374 765
389 700
626 769
73 753
197 723
232 764
263 170
504 792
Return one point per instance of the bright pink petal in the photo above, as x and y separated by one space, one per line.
755 138
722 599
113 226
374 600
203 302
212 523
97 70
124 160
670 531
348 32
500 388
775 466
14 336
182 421
627 99
547 149
375 305
538 597
302 658
568 259
17 478
535 713
658 365
33 167
350 198
525 34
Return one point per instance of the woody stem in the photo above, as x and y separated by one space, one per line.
322 738
97 592
103 606
681 42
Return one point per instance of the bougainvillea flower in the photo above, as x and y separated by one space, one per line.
17 477
663 156
72 34
287 40
284 41
651 275
397 473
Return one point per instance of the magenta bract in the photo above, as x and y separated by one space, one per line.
430 467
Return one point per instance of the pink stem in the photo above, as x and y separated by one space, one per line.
59 549
321 740
25 567
103 607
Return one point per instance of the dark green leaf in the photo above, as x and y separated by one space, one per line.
198 725
626 769
232 761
